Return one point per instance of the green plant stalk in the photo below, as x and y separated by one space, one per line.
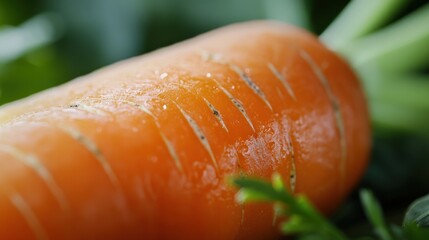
303 207
400 47
305 222
387 116
384 61
304 217
398 101
37 32
360 17
404 90
374 213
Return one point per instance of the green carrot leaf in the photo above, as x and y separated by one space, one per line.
39 31
305 222
400 47
303 218
255 190
374 214
414 232
418 213
359 18
297 224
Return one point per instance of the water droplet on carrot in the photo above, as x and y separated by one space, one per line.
163 75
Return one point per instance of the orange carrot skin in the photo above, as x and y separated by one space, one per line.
141 149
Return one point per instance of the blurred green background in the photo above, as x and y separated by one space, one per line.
83 35
44 43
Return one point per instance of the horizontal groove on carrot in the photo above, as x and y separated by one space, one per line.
200 135
88 108
275 217
29 216
34 163
242 214
237 104
336 107
172 152
170 148
92 148
292 172
283 80
252 85
142 108
212 57
216 113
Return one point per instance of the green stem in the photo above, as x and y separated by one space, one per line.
398 100
359 18
391 116
38 31
400 47
300 206
405 90
374 214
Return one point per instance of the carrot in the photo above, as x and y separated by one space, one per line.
141 149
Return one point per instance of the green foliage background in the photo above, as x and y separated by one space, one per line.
89 34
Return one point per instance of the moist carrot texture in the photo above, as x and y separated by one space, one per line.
141 149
